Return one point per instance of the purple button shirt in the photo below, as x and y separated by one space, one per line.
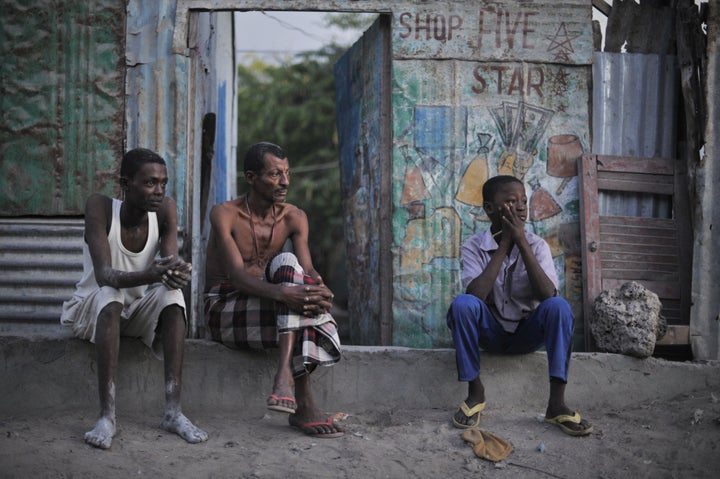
511 298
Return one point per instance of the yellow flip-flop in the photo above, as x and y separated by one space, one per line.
575 419
469 413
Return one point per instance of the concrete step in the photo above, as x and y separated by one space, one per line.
41 372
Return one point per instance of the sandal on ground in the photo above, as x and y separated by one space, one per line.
279 408
310 428
469 413
561 421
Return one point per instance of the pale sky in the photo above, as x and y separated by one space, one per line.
281 34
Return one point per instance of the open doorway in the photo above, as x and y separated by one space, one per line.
286 94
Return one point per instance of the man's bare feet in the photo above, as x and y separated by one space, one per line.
102 434
179 424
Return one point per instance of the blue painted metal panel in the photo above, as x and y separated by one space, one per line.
358 88
220 170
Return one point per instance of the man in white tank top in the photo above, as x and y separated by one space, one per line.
126 291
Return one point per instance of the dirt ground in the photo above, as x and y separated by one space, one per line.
678 438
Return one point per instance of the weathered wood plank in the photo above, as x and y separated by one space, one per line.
632 221
622 184
649 241
590 233
638 248
639 258
663 289
630 164
635 275
643 270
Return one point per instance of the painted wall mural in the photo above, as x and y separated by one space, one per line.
457 123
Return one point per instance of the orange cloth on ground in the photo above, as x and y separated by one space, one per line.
487 445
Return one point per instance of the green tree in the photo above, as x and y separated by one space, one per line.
293 104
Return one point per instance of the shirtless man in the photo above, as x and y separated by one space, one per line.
257 298
125 290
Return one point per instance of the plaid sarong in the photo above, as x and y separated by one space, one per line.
245 322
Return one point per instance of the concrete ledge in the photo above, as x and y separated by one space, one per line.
60 372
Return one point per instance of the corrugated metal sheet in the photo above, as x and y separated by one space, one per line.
634 104
634 114
40 262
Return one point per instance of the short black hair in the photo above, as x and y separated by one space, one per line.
491 186
134 159
255 156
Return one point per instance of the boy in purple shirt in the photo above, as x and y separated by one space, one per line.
511 305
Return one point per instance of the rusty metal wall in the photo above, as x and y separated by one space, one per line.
157 92
62 91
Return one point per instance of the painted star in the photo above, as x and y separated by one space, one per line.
561 43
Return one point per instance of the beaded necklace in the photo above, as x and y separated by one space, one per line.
261 260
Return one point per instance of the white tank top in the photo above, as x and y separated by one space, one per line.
122 258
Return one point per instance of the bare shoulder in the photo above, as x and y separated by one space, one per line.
97 199
291 213
98 206
225 208
98 216
225 213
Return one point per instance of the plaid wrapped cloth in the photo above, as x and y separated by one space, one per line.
245 322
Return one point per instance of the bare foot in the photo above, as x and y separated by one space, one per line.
180 425
102 434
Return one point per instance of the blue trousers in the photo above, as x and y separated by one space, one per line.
474 328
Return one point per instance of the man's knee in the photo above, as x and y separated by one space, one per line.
557 308
557 303
111 303
463 308
108 295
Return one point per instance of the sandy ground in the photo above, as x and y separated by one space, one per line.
678 438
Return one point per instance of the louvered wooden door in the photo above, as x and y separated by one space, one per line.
617 248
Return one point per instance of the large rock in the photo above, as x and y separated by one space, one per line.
628 320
